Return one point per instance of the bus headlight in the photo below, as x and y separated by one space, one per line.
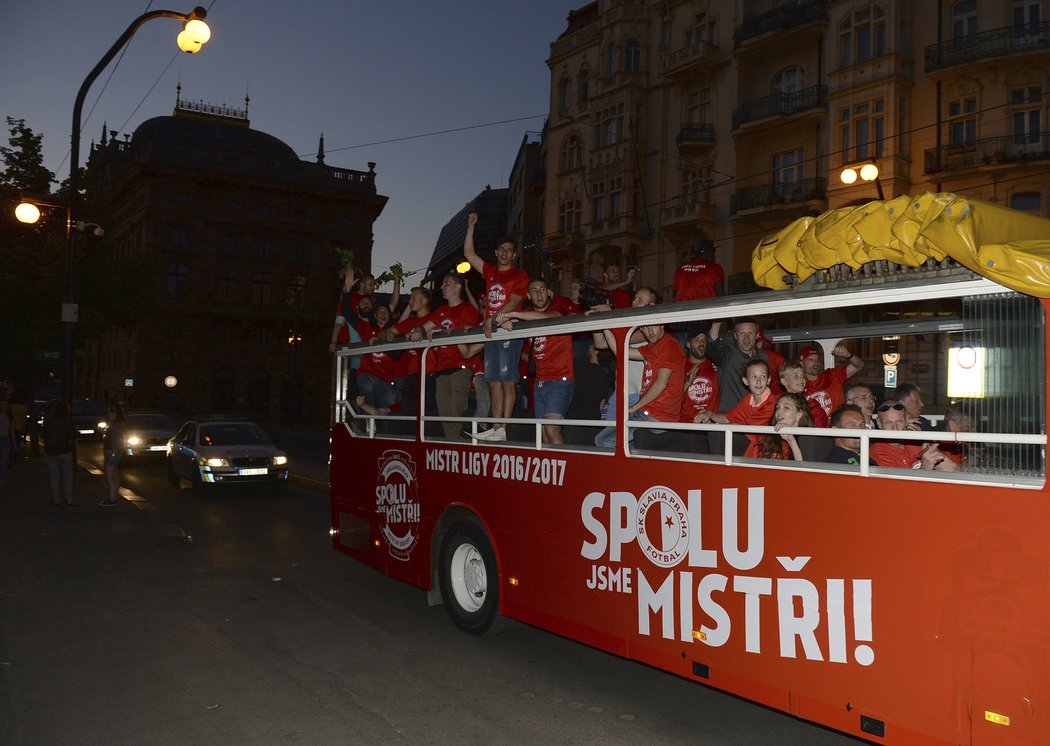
216 462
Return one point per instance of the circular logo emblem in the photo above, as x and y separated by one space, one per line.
700 390
662 526
397 503
497 297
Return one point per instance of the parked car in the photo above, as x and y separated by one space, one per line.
213 452
87 419
147 433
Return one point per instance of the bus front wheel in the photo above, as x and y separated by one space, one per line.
469 578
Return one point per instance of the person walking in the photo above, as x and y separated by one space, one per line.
112 450
60 439
7 438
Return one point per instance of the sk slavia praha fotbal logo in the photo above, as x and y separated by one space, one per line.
397 503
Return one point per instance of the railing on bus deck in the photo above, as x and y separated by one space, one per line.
1028 478
902 290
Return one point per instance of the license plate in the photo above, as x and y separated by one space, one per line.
158 448
252 472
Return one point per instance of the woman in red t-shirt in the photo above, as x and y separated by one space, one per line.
791 411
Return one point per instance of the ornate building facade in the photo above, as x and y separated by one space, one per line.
241 235
675 120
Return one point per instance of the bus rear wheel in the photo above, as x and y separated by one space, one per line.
469 578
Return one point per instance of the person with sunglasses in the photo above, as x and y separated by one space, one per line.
909 455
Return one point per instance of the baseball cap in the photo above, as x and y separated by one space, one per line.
810 351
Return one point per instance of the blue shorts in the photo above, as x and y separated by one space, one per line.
552 398
502 358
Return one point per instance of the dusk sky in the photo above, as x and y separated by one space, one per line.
361 71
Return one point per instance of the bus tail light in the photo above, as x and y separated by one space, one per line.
512 581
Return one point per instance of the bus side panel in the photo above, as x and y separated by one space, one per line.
826 595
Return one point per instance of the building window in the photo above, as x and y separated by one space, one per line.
599 201
226 284
791 80
571 153
962 121
1026 115
1027 202
609 125
610 59
569 214
177 280
179 239
263 249
296 291
229 244
1026 19
564 93
614 193
696 185
262 286
698 108
300 252
583 85
787 167
632 57
863 130
704 29
964 21
862 36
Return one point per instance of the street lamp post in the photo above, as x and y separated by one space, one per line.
866 171
194 35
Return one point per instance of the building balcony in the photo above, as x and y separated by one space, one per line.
626 12
779 195
989 151
685 222
617 225
985 45
694 138
695 62
587 36
781 104
785 17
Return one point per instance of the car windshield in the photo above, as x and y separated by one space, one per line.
86 409
233 434
150 422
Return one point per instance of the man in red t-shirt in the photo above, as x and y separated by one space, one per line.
825 386
755 408
701 379
555 375
700 277
445 364
910 454
611 283
505 289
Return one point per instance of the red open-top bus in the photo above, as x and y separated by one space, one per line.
898 605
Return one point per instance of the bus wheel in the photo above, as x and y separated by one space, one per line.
469 578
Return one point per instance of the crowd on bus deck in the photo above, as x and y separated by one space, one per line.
737 378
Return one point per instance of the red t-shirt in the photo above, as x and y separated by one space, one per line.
753 450
775 361
746 413
553 355
409 358
664 353
381 365
618 298
701 390
500 284
696 279
447 317
887 454
826 390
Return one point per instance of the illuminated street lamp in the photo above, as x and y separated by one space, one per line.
866 172
463 267
195 33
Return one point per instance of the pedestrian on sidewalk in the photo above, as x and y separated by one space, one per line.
112 450
60 442
7 438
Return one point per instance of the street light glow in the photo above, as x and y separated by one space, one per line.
27 212
869 172
198 31
848 175
463 267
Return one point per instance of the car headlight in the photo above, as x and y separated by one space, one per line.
134 440
102 425
280 460
216 462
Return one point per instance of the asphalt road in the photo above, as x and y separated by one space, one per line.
227 619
